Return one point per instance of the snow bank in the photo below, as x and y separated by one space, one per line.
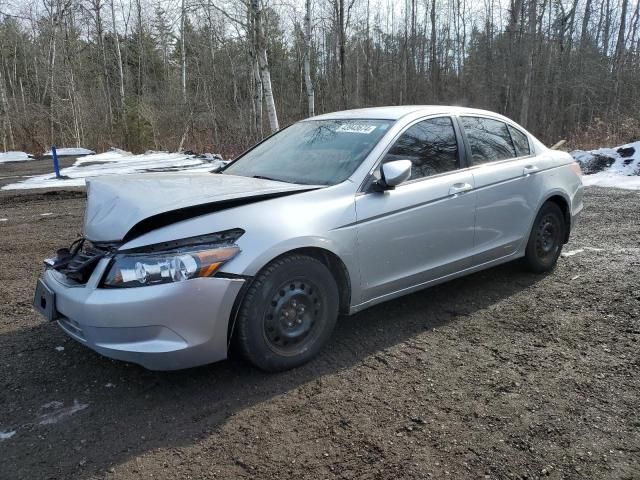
119 162
6 157
611 167
70 152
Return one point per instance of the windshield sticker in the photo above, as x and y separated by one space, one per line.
356 128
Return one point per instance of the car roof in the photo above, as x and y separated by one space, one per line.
397 112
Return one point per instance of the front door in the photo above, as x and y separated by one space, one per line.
424 228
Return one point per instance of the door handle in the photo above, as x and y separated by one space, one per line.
529 169
457 188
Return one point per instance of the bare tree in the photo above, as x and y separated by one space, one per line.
213 74
118 56
260 40
307 59
183 51
95 8
530 52
7 129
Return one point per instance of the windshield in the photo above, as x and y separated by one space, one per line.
314 152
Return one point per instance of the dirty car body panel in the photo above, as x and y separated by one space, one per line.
388 242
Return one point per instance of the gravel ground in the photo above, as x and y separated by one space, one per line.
502 374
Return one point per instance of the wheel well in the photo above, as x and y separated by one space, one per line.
337 269
564 207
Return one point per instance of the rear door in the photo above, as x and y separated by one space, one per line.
503 180
423 229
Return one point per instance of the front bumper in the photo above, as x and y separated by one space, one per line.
161 327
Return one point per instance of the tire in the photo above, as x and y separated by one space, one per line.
288 313
546 239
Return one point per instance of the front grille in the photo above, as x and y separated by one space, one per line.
78 262
82 264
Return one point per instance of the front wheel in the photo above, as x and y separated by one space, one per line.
288 313
546 239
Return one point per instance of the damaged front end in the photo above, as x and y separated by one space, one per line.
78 262
122 208
162 306
176 260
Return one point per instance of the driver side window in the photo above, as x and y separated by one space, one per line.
430 145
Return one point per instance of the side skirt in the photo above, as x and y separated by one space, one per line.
405 291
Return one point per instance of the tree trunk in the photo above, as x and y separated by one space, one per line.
619 55
268 91
183 53
607 26
52 63
257 100
119 58
528 75
123 107
140 48
342 53
585 26
307 59
69 55
263 63
97 6
6 118
435 74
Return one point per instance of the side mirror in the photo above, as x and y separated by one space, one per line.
394 173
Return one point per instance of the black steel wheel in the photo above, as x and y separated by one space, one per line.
293 319
546 239
288 313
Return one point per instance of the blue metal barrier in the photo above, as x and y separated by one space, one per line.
56 166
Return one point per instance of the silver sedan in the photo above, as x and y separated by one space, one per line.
329 216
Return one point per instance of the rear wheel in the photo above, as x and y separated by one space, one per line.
288 313
546 239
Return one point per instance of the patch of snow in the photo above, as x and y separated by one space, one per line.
7 435
112 155
616 180
6 157
119 162
611 167
571 253
3 219
70 152
59 412
59 349
212 156
46 214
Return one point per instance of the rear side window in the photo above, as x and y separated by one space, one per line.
430 145
489 139
520 141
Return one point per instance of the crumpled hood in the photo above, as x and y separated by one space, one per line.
116 204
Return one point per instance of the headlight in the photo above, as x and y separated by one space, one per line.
141 269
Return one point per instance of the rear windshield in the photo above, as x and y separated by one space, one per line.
314 152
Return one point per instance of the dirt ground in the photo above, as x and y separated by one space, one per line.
502 374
